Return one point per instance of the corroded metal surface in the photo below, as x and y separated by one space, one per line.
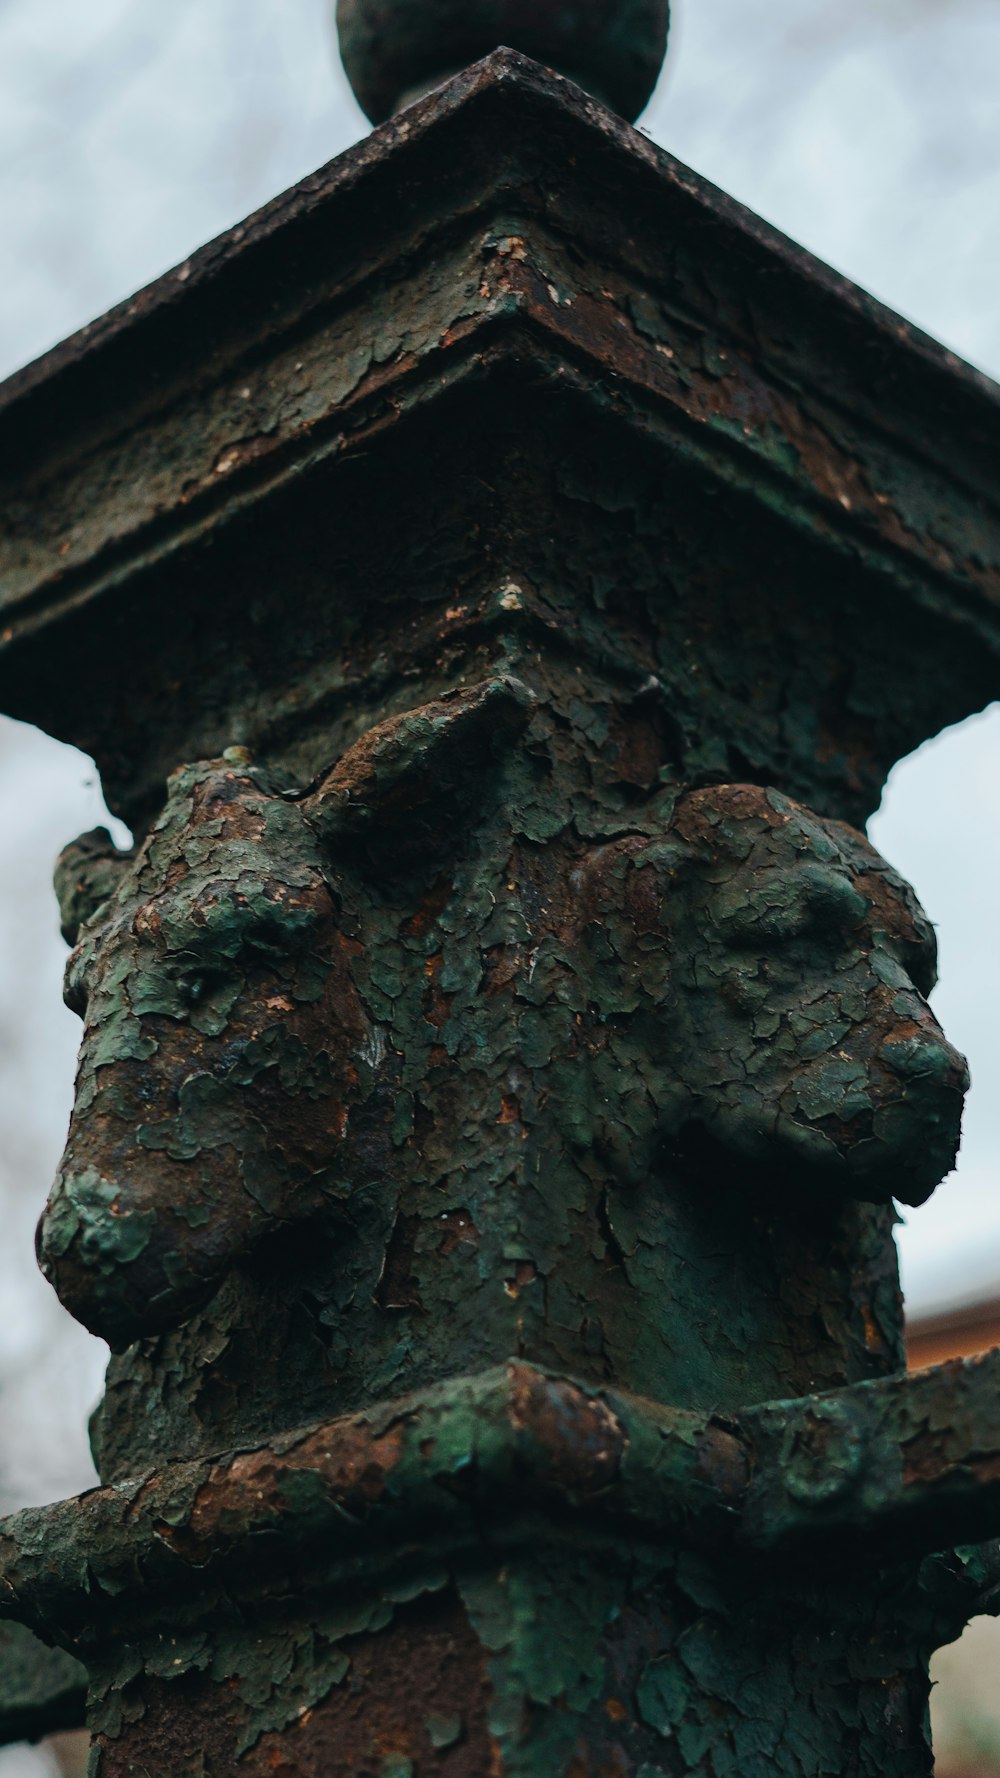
862 1469
384 1049
239 1026
908 1462
542 564
394 1543
359 1495
507 247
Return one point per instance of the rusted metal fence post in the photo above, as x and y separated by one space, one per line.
502 1048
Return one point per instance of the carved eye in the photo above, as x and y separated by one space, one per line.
248 926
199 984
780 906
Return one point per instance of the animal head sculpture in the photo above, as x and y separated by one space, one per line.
790 967
225 1042
765 966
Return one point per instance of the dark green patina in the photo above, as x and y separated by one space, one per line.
501 1051
495 1068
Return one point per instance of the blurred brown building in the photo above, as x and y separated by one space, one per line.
953 1333
965 1702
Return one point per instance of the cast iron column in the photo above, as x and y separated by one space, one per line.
502 1047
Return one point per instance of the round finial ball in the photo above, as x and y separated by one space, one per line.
394 50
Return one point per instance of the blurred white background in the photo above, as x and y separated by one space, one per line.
131 133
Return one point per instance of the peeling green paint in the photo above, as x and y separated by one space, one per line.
486 1055
502 996
295 1002
597 1558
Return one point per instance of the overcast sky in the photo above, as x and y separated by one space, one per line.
130 133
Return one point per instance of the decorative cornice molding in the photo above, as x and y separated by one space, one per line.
507 232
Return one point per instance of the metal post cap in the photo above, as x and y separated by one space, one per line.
394 50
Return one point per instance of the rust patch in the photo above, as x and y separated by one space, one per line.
725 1463
353 1467
582 1439
427 1667
457 1230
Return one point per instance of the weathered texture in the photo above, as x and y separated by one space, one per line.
888 1467
487 1069
558 360
723 992
580 1662
419 1583
545 564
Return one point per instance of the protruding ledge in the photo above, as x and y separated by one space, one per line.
423 1470
902 1467
505 260
908 1463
